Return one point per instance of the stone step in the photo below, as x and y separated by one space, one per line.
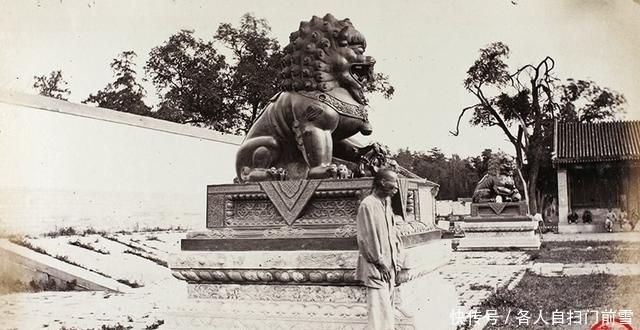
502 226
498 243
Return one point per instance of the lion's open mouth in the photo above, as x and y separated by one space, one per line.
362 73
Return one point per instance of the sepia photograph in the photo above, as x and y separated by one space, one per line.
329 165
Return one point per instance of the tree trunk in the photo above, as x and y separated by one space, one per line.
533 201
526 187
254 112
534 169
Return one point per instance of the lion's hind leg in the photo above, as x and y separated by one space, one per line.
255 158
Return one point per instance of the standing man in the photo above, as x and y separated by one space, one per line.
379 247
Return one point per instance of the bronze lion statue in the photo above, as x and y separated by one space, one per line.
498 184
320 107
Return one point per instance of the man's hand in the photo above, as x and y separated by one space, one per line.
385 273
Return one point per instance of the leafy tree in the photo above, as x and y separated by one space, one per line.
481 163
527 102
457 177
193 83
52 86
197 85
380 84
124 94
254 77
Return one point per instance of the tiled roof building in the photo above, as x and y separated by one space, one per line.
598 167
596 142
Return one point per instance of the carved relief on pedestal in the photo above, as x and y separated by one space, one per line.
299 293
346 231
285 203
330 211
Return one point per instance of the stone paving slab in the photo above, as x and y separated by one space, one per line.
555 269
619 236
80 310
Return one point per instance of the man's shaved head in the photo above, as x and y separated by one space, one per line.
385 182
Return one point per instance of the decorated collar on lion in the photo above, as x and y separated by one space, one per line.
322 105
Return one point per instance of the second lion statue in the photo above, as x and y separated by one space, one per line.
321 106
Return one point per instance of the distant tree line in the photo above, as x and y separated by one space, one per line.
456 176
195 83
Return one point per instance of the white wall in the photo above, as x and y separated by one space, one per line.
66 164
446 207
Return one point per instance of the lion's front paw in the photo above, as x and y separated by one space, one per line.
323 172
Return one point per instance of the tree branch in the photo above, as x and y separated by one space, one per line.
460 117
496 116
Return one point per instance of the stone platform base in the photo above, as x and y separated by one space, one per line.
581 228
424 303
498 226
502 235
307 289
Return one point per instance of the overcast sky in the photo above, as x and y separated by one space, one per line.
424 46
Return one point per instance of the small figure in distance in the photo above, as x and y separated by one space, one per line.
608 222
573 217
622 217
587 216
634 219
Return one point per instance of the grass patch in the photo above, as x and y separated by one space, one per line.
154 325
129 245
156 229
70 231
23 242
151 230
91 231
154 238
587 252
64 231
88 246
148 257
70 262
66 259
481 287
535 293
104 327
131 284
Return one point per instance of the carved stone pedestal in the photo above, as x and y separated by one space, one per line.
498 226
307 290
269 263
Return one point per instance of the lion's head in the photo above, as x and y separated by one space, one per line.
324 54
501 163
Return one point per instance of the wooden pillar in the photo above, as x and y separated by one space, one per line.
563 199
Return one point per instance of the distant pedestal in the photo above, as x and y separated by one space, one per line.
282 255
498 226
